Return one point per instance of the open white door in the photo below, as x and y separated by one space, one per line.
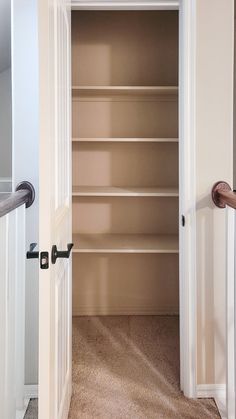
54 209
224 197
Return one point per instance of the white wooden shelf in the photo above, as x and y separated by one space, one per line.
126 192
125 243
126 140
124 90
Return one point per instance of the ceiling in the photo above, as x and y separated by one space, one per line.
5 34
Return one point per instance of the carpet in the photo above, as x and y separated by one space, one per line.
127 367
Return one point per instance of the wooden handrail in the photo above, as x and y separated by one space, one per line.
24 194
223 195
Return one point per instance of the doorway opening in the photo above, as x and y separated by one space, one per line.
125 210
126 214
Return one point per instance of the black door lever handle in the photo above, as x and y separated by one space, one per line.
61 253
31 254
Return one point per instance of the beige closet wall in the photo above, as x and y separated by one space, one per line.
214 113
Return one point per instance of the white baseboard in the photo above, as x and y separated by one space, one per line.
5 184
31 391
217 392
20 414
124 311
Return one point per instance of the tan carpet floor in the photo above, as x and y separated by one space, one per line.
127 367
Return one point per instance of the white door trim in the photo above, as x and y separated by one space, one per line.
125 5
187 206
187 176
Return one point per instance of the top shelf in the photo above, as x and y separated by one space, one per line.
128 90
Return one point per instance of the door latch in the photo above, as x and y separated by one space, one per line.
43 256
44 260
183 220
31 254
61 253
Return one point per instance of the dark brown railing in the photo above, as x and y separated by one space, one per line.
223 195
24 194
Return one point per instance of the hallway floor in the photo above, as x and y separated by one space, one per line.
127 367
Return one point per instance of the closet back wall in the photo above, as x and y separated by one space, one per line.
120 48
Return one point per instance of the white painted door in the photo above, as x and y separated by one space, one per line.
224 197
54 208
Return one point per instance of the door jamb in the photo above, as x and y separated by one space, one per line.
187 202
187 171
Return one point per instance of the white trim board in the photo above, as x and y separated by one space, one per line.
187 193
20 414
215 391
31 392
125 5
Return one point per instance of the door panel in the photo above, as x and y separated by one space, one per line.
54 209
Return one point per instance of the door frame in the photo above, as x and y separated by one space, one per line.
187 172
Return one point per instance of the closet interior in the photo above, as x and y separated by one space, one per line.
125 162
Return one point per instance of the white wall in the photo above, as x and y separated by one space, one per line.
25 153
5 124
234 168
214 121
